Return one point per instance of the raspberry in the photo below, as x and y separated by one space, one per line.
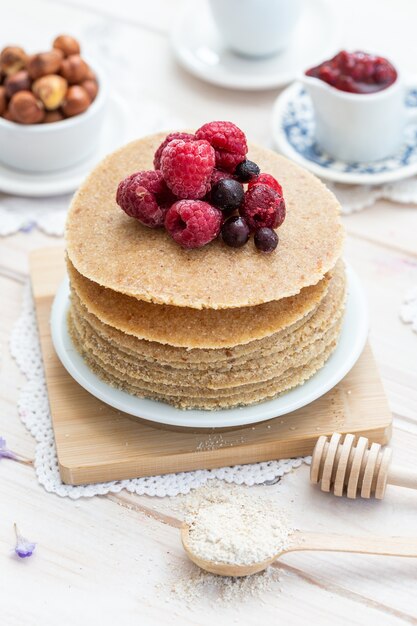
168 138
218 175
268 180
263 207
228 141
146 197
187 167
193 223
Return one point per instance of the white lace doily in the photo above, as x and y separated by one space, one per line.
26 214
357 197
33 408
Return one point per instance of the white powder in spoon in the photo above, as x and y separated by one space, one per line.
237 527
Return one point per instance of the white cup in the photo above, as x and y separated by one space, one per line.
256 28
54 146
359 127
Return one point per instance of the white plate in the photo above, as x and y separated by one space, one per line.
32 184
199 49
350 346
294 136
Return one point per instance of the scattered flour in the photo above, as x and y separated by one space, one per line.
198 585
235 526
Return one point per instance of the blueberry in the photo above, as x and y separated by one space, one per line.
247 170
227 194
266 239
235 231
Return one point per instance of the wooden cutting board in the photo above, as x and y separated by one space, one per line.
96 443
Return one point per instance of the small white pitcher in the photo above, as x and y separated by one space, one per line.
359 127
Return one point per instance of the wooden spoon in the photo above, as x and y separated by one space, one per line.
387 546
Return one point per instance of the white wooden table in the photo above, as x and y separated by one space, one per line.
112 559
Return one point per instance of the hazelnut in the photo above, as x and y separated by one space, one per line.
68 45
3 100
25 108
17 82
51 90
74 69
7 116
53 116
91 88
12 59
44 63
90 75
76 101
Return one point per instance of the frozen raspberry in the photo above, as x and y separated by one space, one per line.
146 197
266 239
187 167
268 180
219 175
263 207
168 138
228 141
193 223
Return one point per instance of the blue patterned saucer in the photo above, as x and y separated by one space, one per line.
294 137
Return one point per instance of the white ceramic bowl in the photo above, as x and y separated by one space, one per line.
55 146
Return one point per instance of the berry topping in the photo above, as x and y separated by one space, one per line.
356 72
266 179
193 223
227 194
219 175
266 239
235 232
263 207
247 170
228 141
146 197
187 167
168 138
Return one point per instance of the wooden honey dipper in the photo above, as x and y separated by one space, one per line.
355 468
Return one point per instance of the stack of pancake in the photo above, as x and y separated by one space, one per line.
210 328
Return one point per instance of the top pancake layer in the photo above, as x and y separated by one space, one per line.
116 251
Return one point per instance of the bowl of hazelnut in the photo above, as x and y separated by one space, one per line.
52 107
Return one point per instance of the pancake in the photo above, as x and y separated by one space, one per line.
117 252
290 379
193 328
329 311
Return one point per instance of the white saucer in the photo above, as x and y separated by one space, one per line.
199 49
351 343
64 181
294 136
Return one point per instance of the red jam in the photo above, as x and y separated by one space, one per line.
355 72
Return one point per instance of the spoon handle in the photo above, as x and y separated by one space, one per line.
389 546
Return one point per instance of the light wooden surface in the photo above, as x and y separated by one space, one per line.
96 443
113 559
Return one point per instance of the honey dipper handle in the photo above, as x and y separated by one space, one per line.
388 546
402 477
